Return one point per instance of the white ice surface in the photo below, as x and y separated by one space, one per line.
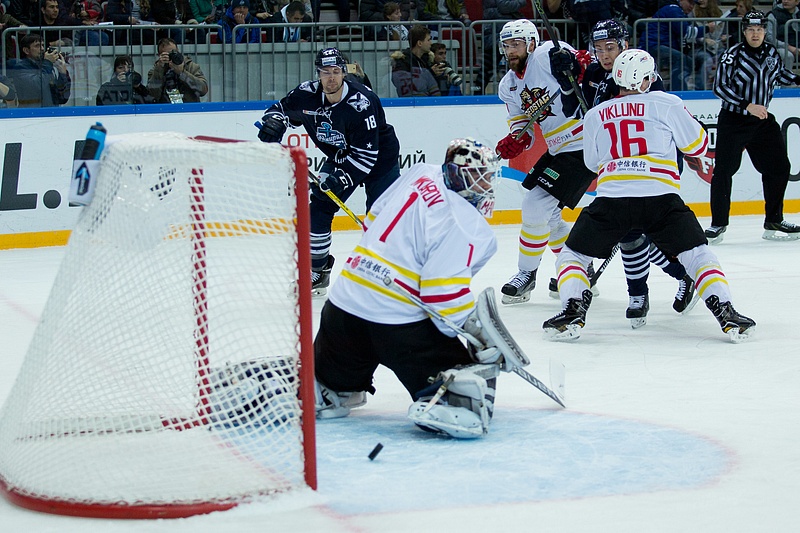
668 428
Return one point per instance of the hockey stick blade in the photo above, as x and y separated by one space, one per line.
530 378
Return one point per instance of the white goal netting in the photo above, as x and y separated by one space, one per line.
163 377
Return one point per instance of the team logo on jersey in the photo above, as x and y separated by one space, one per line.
328 135
308 86
359 102
533 99
772 63
611 167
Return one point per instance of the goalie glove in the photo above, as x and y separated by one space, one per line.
510 147
273 126
563 63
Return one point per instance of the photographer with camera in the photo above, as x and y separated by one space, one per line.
125 86
449 80
41 76
412 71
175 78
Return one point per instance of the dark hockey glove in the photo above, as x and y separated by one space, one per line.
337 182
563 63
273 126
509 147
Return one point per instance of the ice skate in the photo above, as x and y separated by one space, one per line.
738 327
567 325
686 297
638 306
553 288
321 278
781 231
518 289
714 234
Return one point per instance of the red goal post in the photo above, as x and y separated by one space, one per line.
171 373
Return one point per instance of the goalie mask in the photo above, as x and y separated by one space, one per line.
519 29
632 67
470 169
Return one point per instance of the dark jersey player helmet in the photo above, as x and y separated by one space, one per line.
330 57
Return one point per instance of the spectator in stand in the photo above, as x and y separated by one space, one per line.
442 10
342 8
207 11
125 86
7 21
264 9
503 10
641 9
715 40
689 68
449 81
51 17
175 78
8 94
392 13
88 10
239 13
293 13
374 10
40 77
733 28
412 72
130 13
587 13
776 30
25 11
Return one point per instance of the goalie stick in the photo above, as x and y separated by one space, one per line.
537 5
524 374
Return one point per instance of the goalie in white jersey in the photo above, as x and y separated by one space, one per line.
633 152
425 235
559 178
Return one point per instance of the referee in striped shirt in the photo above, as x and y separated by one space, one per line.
745 79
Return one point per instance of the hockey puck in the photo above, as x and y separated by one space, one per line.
375 451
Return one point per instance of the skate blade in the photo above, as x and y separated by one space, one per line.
514 300
737 336
691 304
570 333
636 323
319 292
717 239
775 235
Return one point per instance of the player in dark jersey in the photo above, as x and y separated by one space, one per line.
345 120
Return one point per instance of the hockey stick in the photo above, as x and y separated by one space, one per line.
524 374
603 266
337 201
537 5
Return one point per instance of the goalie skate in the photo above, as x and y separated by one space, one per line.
781 231
485 324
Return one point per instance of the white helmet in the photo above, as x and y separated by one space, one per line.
632 67
519 29
470 169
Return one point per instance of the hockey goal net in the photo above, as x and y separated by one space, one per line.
171 372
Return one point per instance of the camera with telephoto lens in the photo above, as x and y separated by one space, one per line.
175 57
452 76
135 78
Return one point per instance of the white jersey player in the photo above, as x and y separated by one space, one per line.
559 177
634 153
425 240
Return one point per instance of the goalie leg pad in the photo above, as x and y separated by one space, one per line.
331 404
485 324
465 410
